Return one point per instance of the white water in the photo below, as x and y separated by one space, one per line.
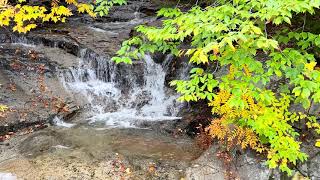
7 176
59 122
117 104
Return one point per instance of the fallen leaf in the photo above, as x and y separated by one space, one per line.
318 143
128 171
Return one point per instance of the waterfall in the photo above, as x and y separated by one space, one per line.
118 95
122 95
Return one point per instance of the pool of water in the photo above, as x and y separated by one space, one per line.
88 152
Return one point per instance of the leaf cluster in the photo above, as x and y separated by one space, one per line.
102 7
25 17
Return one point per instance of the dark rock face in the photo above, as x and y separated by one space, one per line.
23 73
93 40
178 68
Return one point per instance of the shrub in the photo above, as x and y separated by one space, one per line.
267 73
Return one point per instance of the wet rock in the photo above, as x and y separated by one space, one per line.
39 143
311 167
142 99
171 127
134 9
30 86
178 68
4 36
159 57
130 75
250 167
245 166
208 166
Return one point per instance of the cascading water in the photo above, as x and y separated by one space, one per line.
122 95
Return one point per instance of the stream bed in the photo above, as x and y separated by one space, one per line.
86 152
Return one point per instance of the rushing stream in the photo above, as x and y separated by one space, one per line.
140 96
116 99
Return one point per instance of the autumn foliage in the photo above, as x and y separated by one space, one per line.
26 17
266 65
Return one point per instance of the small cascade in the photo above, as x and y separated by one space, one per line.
117 95
122 95
155 84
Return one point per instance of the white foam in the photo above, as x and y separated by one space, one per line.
25 45
7 176
19 44
61 147
97 29
59 122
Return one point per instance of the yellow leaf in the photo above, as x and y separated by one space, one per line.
71 2
3 3
3 108
82 8
310 66
203 58
231 45
256 30
318 143
128 171
215 49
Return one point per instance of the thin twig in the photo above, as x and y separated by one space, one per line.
217 66
265 29
311 103
177 3
301 172
304 21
